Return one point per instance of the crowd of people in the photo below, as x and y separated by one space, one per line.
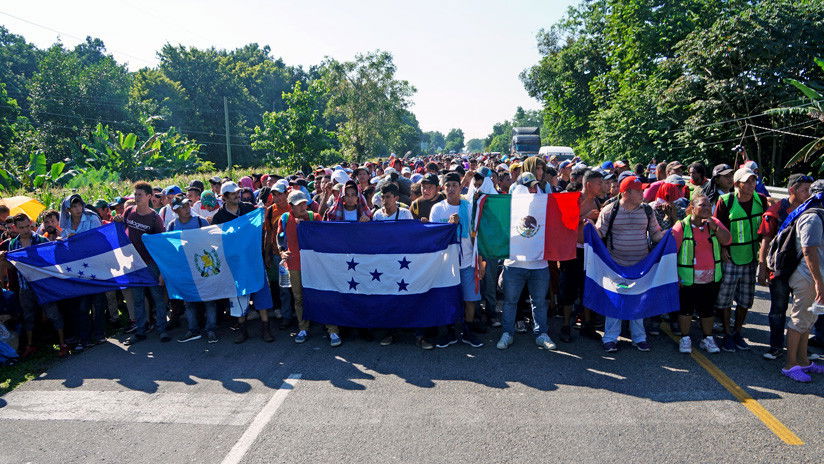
723 219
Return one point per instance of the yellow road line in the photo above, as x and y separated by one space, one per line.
781 430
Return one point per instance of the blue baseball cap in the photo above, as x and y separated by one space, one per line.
172 190
607 165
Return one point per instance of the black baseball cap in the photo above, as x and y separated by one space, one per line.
721 170
431 179
195 184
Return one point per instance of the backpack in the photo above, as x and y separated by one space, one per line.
784 256
614 213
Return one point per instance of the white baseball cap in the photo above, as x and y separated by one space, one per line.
742 175
228 187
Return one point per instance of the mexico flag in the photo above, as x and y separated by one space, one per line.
528 227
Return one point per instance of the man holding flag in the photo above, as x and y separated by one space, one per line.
628 226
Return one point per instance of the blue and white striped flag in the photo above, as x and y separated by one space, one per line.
389 274
213 262
648 288
95 261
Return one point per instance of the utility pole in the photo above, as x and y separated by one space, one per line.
228 145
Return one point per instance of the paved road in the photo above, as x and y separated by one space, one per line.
362 402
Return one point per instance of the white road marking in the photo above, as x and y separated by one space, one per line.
132 406
263 417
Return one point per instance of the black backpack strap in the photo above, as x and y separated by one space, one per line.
612 215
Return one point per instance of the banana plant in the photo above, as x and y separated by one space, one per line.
36 175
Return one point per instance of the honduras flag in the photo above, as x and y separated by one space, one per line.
95 261
380 274
648 288
213 262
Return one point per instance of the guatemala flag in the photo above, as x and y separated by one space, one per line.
647 288
95 261
389 274
213 262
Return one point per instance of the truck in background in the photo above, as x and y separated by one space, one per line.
561 153
526 140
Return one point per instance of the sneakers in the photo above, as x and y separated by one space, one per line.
797 373
727 344
134 339
739 342
685 346
387 340
495 322
189 336
446 340
644 346
520 327
505 341
211 337
773 354
611 347
545 342
423 343
334 340
64 351
301 336
471 339
566 334
814 368
165 337
241 335
708 345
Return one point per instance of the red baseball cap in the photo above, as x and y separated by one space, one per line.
631 183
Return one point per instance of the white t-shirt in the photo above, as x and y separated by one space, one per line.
402 213
167 215
537 264
441 212
197 209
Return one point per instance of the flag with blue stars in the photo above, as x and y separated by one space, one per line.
95 261
389 274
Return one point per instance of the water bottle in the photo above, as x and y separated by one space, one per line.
817 308
283 275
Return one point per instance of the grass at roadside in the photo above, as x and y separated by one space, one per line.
27 369
52 196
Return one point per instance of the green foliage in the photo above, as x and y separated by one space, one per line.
295 136
812 108
642 79
368 103
500 140
433 142
159 155
454 141
475 145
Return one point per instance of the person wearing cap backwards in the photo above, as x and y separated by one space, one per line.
628 227
215 183
232 209
185 220
807 284
287 233
166 213
274 212
101 207
798 187
456 210
430 196
720 183
142 219
741 212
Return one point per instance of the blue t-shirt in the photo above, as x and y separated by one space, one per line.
196 222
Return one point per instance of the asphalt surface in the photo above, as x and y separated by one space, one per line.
362 402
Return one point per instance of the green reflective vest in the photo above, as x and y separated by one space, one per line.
686 255
744 228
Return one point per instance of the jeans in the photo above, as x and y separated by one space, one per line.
210 312
286 303
779 301
139 302
489 287
537 281
99 305
612 329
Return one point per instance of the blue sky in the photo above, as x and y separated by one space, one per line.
462 56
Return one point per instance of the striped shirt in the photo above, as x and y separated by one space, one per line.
631 233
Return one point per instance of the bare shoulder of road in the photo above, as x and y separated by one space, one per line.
265 403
